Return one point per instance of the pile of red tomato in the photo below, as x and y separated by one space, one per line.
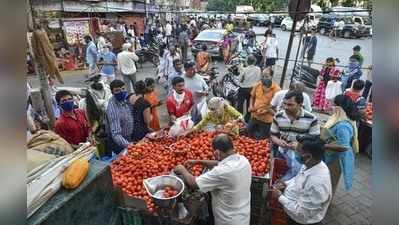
159 157
169 192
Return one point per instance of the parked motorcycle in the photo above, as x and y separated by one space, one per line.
228 86
307 75
148 55
241 57
209 76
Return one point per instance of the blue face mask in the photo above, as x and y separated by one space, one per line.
67 106
121 96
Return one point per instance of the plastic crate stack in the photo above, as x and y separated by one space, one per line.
259 189
278 216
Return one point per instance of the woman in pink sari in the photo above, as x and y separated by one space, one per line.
320 102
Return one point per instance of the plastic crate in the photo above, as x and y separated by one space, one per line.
278 218
278 168
129 216
259 189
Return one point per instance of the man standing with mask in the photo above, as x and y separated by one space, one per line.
228 181
179 101
260 106
119 117
72 125
287 125
306 197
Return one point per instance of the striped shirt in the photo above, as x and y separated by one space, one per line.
120 121
306 123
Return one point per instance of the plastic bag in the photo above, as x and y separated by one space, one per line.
202 107
333 89
181 125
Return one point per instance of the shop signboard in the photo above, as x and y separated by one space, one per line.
76 30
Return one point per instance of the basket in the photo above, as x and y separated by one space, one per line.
155 185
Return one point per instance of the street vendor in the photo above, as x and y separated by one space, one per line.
307 196
220 114
228 181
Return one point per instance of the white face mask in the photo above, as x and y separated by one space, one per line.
106 50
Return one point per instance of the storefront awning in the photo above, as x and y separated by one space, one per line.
97 7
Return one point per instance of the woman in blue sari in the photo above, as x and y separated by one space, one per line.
340 157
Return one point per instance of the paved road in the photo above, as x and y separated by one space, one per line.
326 47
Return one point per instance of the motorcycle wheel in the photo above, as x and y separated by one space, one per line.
155 60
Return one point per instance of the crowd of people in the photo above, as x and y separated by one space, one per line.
270 112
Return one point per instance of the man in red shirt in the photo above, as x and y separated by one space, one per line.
180 101
72 125
355 93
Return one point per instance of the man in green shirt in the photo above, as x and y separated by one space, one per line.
356 51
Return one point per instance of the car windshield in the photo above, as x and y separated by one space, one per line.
210 35
348 20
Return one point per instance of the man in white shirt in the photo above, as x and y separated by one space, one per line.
168 31
195 83
270 50
131 31
277 100
249 76
228 181
101 43
306 197
127 66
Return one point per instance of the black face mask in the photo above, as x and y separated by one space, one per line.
97 86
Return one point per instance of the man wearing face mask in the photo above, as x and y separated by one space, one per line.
228 181
287 125
119 117
72 125
180 100
306 197
260 106
107 61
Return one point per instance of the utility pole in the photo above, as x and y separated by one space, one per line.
44 85
287 56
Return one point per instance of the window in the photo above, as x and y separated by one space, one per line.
358 20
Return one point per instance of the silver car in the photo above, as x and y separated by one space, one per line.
213 39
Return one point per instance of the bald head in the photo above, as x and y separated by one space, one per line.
223 143
297 86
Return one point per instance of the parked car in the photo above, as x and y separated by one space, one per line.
276 20
258 19
287 23
355 26
213 38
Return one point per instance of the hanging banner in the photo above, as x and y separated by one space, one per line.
76 30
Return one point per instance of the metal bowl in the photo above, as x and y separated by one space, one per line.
155 185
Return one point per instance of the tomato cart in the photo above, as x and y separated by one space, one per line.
153 158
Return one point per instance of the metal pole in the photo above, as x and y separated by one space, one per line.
44 86
145 8
287 56
297 55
